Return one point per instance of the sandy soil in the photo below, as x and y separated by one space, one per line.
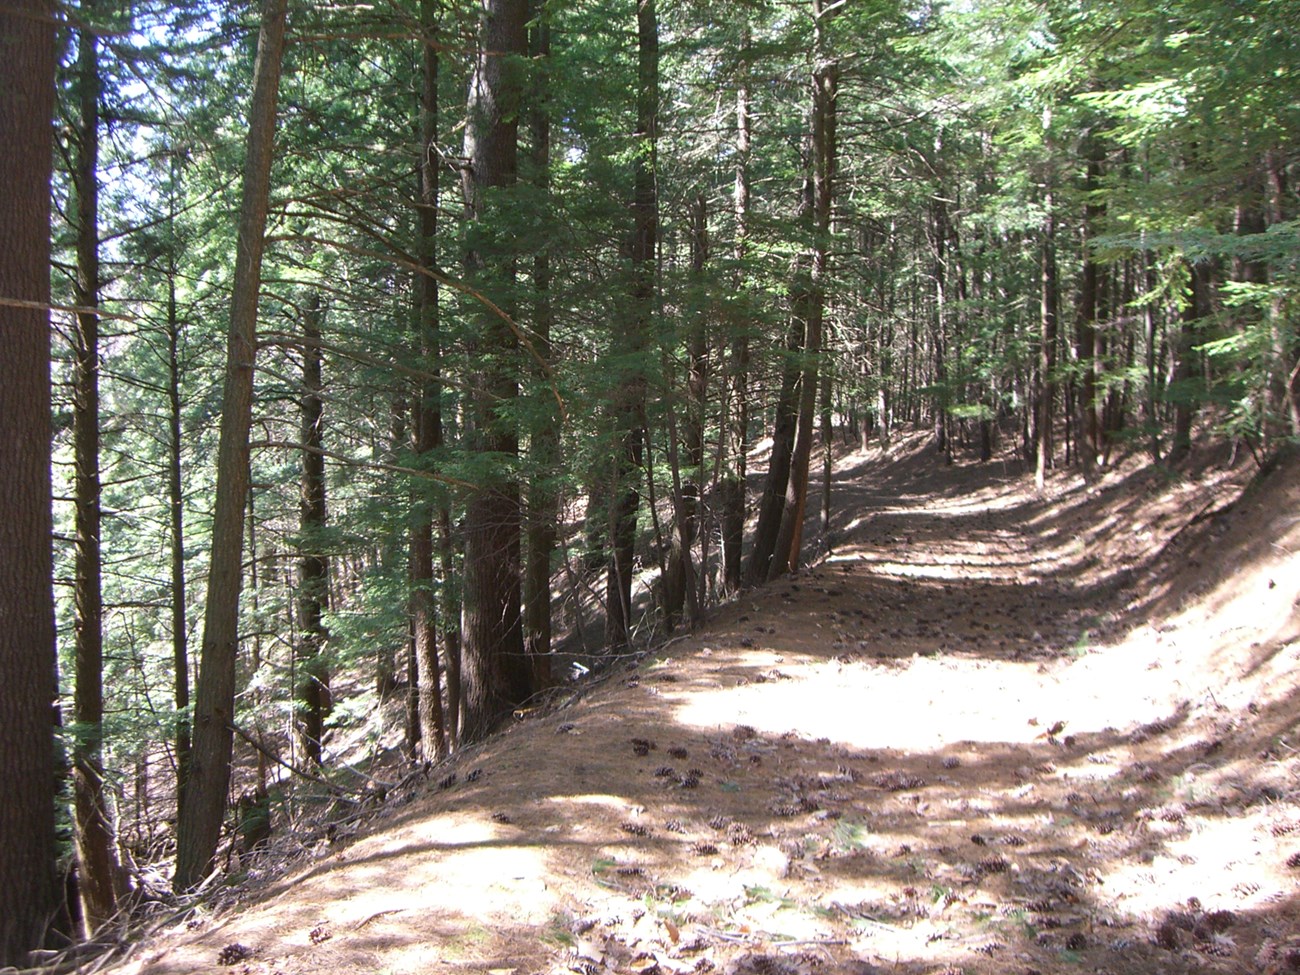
990 732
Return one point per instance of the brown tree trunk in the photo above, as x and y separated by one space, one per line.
679 582
428 414
495 674
176 506
96 863
1196 307
29 894
1047 322
736 436
825 83
771 503
1090 286
386 682
199 826
1150 409
313 565
827 436
938 232
544 443
629 405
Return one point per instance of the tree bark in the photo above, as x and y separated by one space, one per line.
825 84
1196 307
736 436
1086 331
629 398
938 231
29 894
771 503
495 674
176 507
313 565
679 583
1047 322
199 826
96 863
428 417
544 443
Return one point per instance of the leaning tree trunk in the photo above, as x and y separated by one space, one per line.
92 831
772 501
776 485
825 83
629 400
494 676
199 825
29 895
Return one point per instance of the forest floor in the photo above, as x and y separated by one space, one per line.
992 732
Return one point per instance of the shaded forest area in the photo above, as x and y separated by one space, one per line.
409 357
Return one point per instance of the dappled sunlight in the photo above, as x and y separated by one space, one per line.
931 703
1219 860
461 872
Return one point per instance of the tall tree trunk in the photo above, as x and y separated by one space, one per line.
428 414
495 675
386 682
199 826
450 608
938 232
544 443
771 503
825 84
629 404
1184 388
313 566
1086 331
827 436
735 437
176 510
1047 327
29 895
97 866
679 582
1150 410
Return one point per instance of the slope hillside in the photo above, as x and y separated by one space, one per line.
989 732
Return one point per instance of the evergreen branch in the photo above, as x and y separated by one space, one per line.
373 465
452 283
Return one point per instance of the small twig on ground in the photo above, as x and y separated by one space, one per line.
737 938
804 942
374 917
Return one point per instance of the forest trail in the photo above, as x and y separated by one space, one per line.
989 732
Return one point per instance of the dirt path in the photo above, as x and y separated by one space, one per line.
988 733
